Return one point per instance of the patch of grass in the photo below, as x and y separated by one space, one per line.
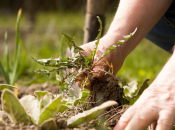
45 39
144 62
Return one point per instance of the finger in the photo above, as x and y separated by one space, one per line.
98 70
142 119
153 126
88 48
166 120
125 118
97 73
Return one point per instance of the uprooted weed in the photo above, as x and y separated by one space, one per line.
80 63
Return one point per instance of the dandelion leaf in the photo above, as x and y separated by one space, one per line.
132 92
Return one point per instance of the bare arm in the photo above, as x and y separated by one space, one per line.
157 103
143 14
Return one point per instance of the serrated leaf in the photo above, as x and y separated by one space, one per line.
89 115
69 40
121 41
98 39
31 106
49 124
101 27
63 85
127 37
40 94
3 86
82 97
72 44
50 110
131 89
132 94
12 106
110 49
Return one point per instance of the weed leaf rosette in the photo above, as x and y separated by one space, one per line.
70 69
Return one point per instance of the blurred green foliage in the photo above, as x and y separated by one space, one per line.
44 39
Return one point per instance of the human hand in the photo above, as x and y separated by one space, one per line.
155 106
115 58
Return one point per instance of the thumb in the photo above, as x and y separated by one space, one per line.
98 73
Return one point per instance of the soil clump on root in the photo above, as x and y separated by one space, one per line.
103 91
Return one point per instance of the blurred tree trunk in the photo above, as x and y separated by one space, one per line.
94 8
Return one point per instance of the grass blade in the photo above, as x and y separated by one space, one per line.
23 59
14 76
6 54
4 74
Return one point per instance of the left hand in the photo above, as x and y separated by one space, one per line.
155 106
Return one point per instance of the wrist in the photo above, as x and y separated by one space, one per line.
129 45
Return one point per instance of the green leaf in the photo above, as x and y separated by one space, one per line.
84 96
110 49
89 115
40 94
14 73
63 108
42 72
4 74
98 38
63 86
7 55
143 86
49 124
47 99
71 44
121 41
22 59
32 107
131 89
127 37
50 110
3 86
12 106
132 92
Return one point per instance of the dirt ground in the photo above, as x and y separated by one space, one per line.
103 91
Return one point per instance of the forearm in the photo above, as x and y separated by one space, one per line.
143 14
166 77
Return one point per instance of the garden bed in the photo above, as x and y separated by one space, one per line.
106 120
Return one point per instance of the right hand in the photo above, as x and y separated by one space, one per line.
115 58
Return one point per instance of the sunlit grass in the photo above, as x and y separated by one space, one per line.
43 41
145 61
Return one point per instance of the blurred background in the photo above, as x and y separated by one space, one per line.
41 26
